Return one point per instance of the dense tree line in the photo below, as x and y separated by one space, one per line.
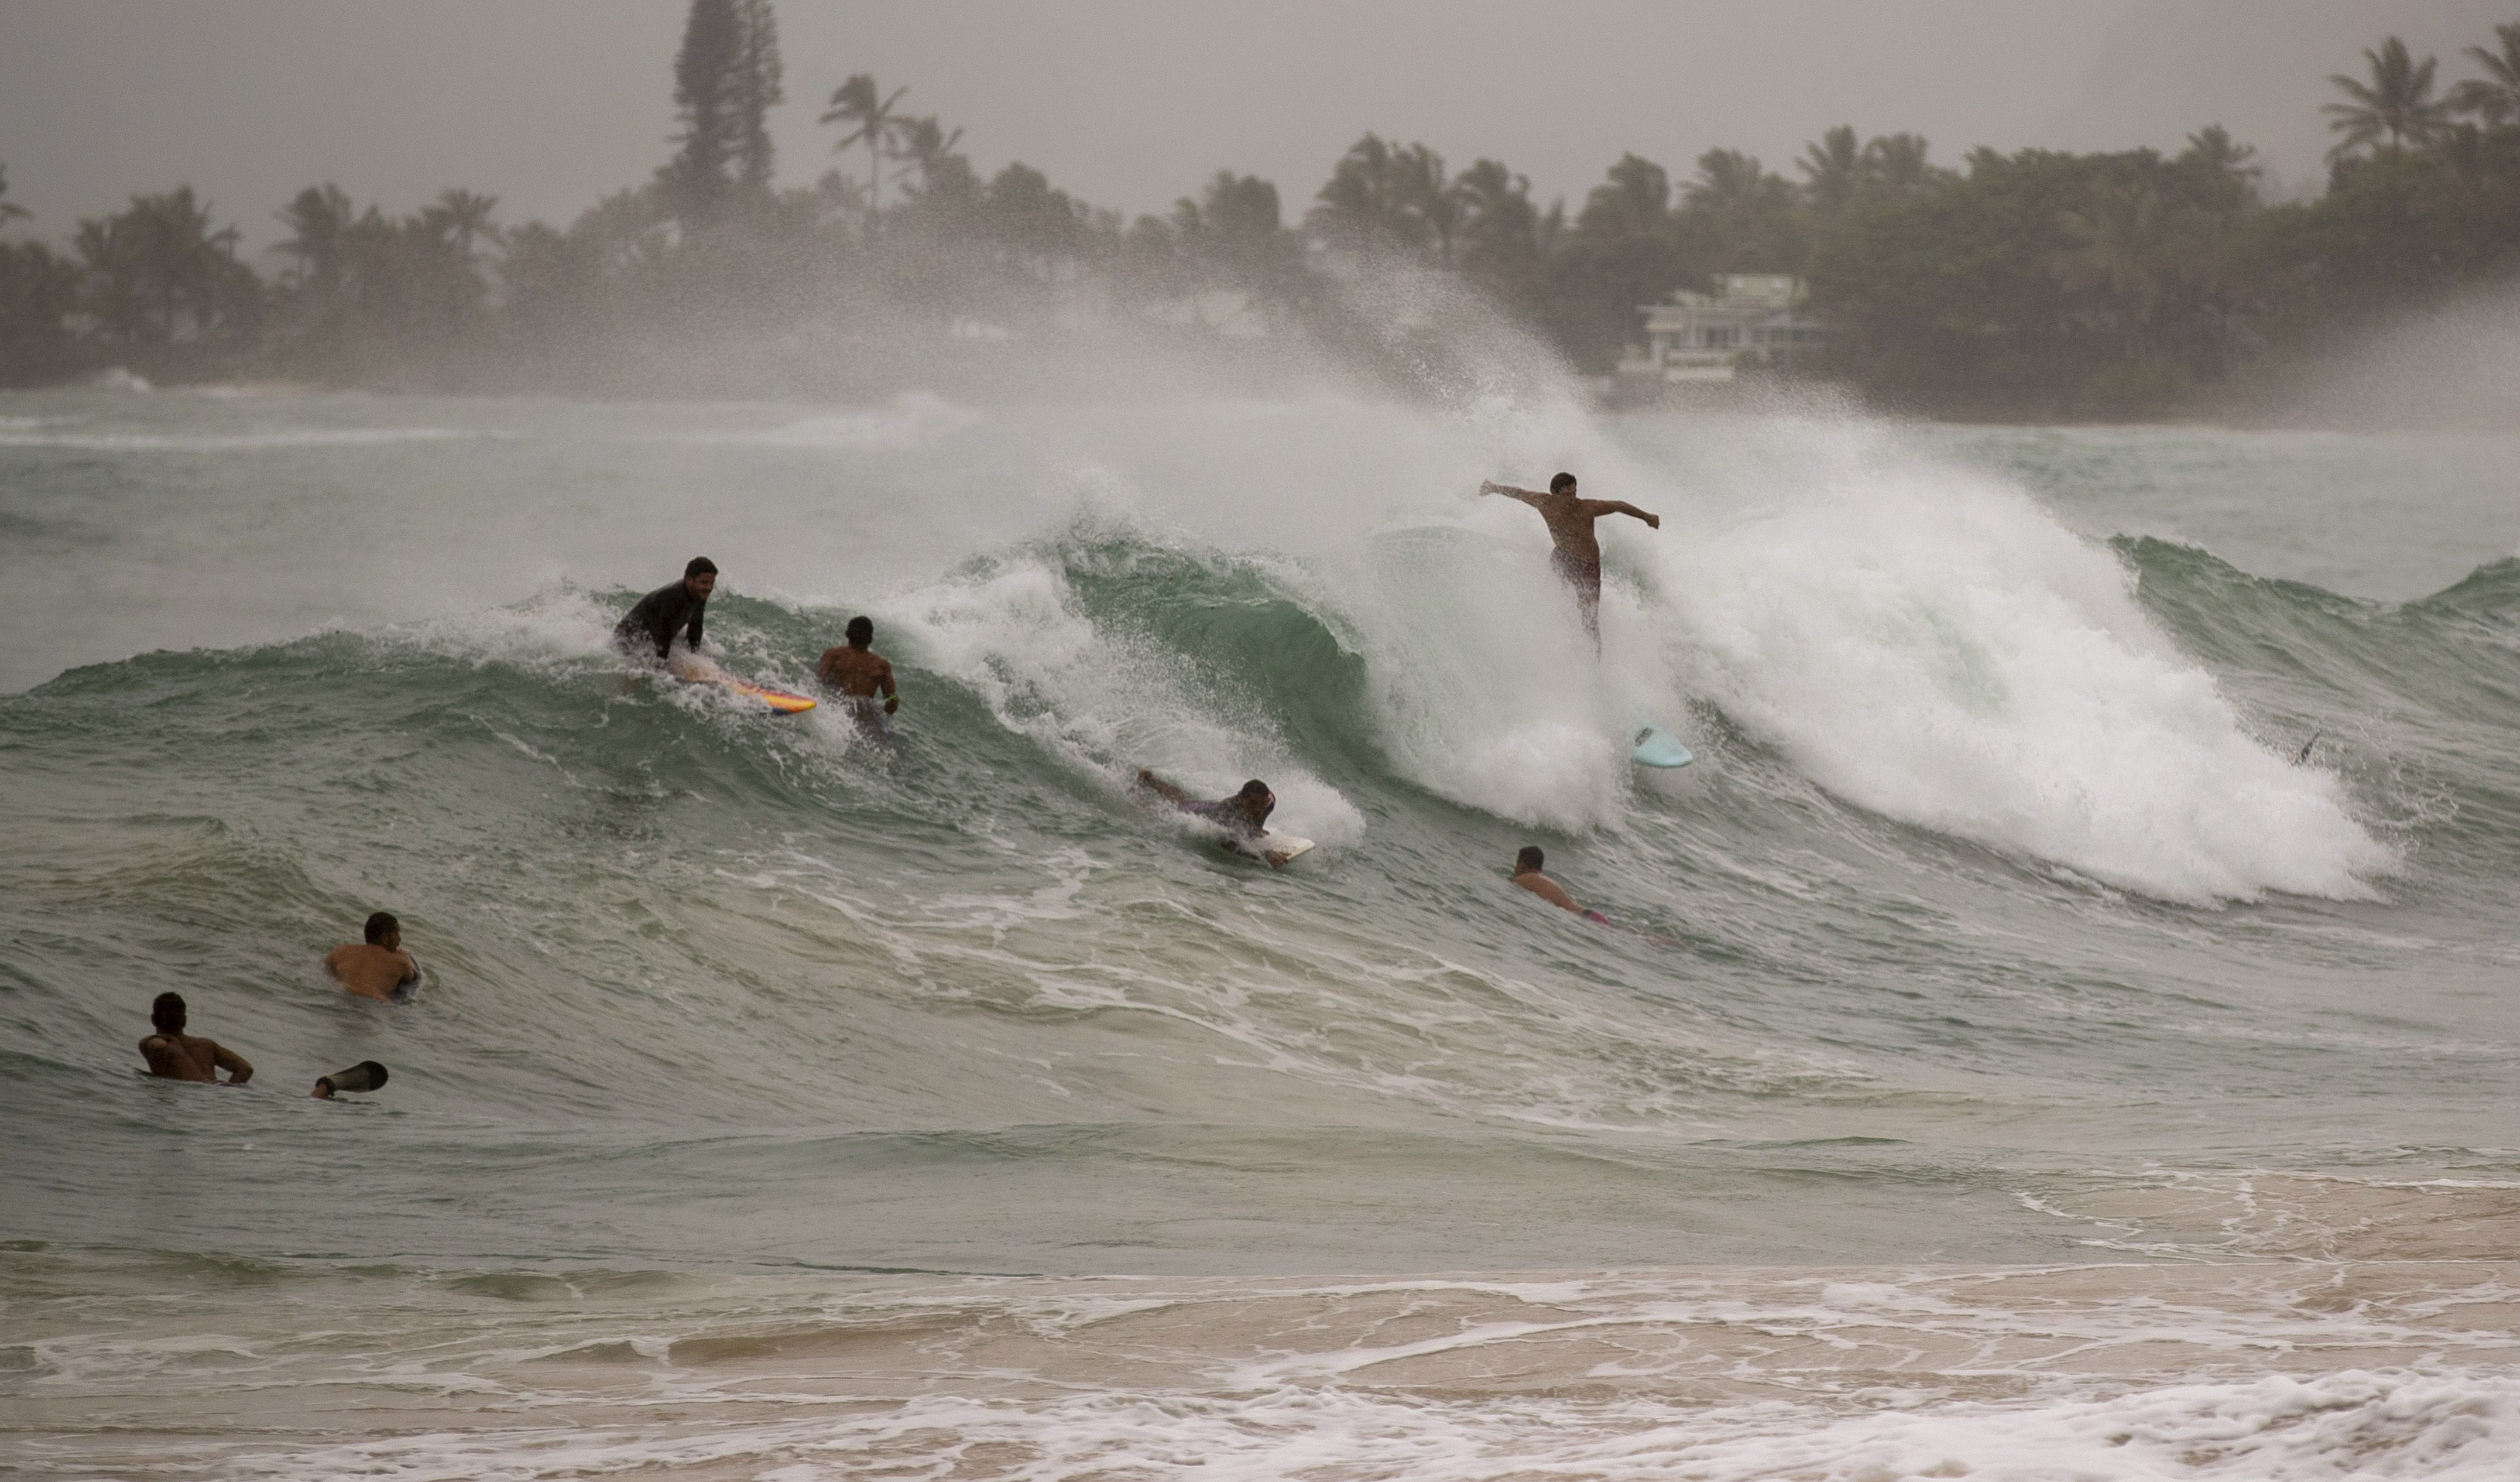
2037 282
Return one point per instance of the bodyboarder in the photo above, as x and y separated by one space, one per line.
1242 816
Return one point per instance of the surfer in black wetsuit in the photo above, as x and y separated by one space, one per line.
658 614
1244 815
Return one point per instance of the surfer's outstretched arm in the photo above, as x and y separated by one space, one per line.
1526 495
1595 509
1162 789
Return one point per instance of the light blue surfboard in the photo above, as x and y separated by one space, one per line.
1657 746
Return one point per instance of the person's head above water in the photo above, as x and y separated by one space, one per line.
1256 800
699 575
381 926
1528 861
167 1013
1561 483
859 631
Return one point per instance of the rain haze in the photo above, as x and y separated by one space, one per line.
1129 104
1333 749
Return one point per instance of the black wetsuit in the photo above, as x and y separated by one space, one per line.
657 615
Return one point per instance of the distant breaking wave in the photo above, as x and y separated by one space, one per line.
34 433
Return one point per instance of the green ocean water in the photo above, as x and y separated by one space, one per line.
1998 929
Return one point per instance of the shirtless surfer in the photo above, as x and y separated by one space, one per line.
1577 558
174 1055
379 967
859 673
1526 873
1243 816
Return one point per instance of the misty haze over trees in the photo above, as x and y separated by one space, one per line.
2034 283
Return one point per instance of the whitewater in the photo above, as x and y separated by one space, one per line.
2026 1063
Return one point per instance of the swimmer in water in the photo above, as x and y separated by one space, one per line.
1241 816
174 1055
379 967
1526 873
859 674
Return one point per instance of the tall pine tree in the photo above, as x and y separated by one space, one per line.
726 79
756 92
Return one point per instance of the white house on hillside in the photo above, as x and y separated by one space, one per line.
1751 318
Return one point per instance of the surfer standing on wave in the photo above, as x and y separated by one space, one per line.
658 614
1577 558
859 672
1243 816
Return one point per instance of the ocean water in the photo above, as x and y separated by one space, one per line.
2010 1061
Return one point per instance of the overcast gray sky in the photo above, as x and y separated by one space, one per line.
550 104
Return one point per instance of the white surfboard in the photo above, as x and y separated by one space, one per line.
1656 746
1269 844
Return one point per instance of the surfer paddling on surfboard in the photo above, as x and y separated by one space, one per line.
174 1055
379 967
680 609
652 623
1577 558
1242 816
1526 873
859 674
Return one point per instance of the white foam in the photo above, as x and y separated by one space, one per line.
1106 701
1482 683
2128 1373
1927 643
1922 641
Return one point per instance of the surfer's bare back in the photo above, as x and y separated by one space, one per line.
1577 558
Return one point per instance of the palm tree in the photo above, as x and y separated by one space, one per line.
1634 201
468 215
924 149
1896 163
160 258
1498 221
1835 167
855 101
1499 232
1421 188
316 220
2493 98
2397 102
1373 198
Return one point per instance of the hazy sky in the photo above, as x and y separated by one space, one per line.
1130 103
